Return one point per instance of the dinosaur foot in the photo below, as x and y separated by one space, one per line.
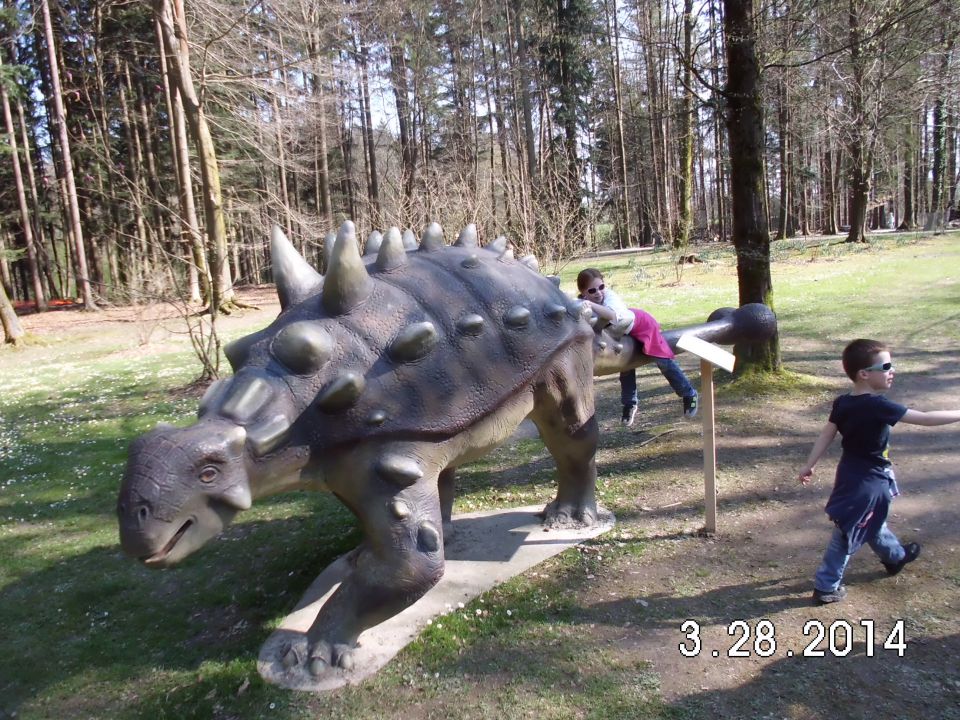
559 514
319 658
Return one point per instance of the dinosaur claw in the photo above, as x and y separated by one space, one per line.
291 658
317 666
343 656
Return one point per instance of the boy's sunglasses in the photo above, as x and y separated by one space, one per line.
598 288
883 367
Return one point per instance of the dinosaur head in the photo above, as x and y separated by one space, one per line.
182 486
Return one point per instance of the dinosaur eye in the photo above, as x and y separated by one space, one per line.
209 474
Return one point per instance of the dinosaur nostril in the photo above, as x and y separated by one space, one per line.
142 514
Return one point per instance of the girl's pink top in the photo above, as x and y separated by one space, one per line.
646 330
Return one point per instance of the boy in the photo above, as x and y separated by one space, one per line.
864 484
643 328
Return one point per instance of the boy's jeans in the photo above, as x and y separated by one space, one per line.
668 368
835 559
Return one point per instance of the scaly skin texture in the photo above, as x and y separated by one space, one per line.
377 382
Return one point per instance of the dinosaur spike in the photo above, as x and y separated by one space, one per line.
347 283
237 496
409 240
247 394
377 417
341 393
517 317
238 351
399 470
234 439
269 435
499 245
414 342
392 253
506 255
468 237
555 279
374 239
432 238
555 311
212 397
303 347
399 509
470 262
531 262
579 309
329 241
294 277
471 324
428 537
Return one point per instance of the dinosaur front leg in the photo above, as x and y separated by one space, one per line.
564 414
445 487
400 559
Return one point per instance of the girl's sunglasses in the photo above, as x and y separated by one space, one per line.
883 367
598 288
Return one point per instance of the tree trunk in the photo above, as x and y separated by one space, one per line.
26 223
685 191
174 32
524 91
366 122
401 95
751 237
73 207
12 329
191 242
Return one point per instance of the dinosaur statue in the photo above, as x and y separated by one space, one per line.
375 383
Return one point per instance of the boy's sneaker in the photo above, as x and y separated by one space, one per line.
629 415
913 552
825 597
690 405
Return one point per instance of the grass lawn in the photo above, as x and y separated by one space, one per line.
593 633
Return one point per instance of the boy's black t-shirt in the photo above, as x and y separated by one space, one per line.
864 422
864 484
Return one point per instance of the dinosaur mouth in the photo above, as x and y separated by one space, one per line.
161 555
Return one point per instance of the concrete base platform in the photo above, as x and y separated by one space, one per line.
487 549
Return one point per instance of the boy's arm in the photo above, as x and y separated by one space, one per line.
827 435
934 417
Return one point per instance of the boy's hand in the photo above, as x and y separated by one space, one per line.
806 473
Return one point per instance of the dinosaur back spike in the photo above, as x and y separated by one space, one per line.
432 238
293 275
392 253
347 283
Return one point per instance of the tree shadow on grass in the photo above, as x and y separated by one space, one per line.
99 617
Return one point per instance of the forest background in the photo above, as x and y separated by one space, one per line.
149 146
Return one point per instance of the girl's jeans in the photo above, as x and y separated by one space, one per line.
835 559
668 368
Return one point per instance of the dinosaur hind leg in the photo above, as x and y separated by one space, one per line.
564 414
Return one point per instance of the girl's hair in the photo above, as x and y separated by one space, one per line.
586 276
860 354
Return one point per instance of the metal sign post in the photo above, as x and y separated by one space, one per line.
710 355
